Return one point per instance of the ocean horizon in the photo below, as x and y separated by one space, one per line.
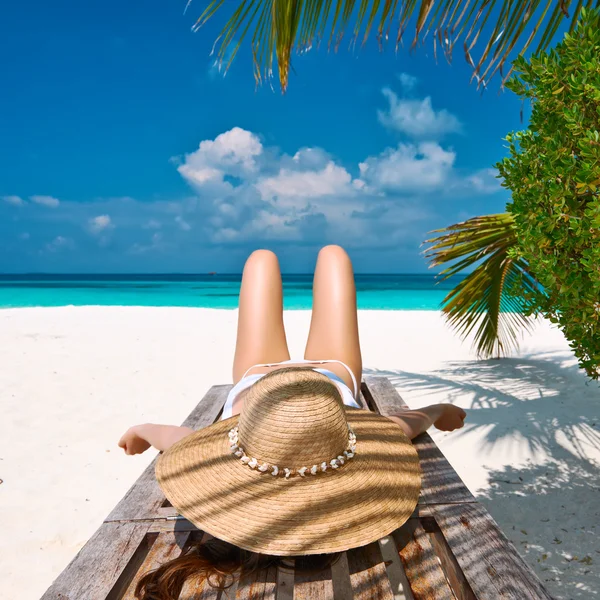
415 291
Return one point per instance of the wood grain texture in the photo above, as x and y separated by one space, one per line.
368 575
285 581
100 563
440 483
488 560
261 585
342 586
421 565
313 586
395 569
144 499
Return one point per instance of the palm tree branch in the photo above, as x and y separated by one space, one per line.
482 304
285 25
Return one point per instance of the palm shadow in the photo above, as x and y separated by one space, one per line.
548 507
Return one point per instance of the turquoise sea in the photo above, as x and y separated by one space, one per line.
383 292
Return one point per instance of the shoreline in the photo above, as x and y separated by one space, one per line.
74 378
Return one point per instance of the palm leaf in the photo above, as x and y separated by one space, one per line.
488 300
280 26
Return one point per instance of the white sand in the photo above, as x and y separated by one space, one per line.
73 379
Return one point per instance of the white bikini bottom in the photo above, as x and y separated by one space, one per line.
348 397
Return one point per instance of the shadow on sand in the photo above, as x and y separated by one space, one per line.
549 508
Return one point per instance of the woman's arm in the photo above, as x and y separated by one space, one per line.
445 417
139 438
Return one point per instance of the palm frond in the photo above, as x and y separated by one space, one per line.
488 300
280 26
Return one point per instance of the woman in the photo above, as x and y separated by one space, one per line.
298 421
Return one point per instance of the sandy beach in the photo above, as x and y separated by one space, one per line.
74 378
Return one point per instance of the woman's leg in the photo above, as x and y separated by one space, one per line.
334 324
260 333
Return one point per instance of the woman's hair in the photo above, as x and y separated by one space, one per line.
220 564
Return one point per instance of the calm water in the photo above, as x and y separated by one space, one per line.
387 292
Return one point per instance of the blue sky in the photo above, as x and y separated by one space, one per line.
123 149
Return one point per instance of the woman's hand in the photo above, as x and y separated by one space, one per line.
452 418
133 440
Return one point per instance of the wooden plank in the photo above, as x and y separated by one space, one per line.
488 560
260 585
456 578
167 546
285 580
113 547
145 498
368 575
315 585
421 565
342 587
395 569
440 483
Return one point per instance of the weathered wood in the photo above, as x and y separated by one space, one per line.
488 560
144 498
285 580
423 571
395 569
456 578
340 576
368 575
261 585
316 585
450 549
100 564
440 483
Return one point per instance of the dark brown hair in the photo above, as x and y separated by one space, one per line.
220 564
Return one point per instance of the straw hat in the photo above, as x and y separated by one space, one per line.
326 477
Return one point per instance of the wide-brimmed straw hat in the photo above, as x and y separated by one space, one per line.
296 472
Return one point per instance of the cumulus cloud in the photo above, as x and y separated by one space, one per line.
100 223
14 200
233 153
409 168
244 193
48 201
417 118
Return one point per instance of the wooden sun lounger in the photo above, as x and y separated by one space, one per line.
450 548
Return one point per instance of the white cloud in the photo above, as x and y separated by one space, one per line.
100 223
48 201
60 243
183 224
409 168
232 153
330 180
484 181
245 193
14 200
417 118
408 82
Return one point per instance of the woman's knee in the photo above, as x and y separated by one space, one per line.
262 258
333 253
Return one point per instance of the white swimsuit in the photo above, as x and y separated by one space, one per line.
348 397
